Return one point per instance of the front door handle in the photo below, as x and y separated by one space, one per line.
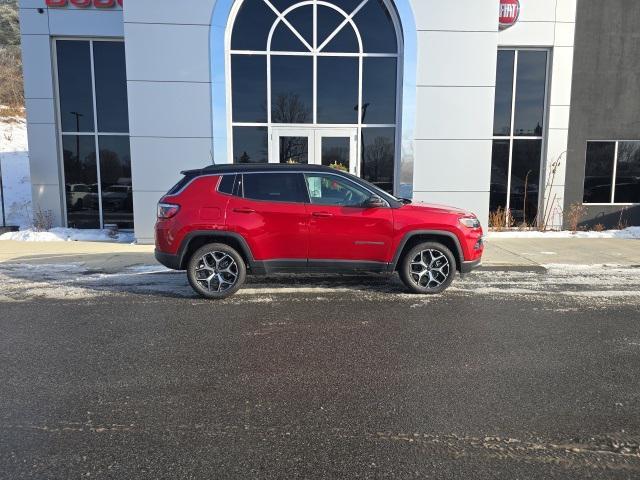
322 214
244 210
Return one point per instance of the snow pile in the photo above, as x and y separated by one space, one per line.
627 233
60 234
14 160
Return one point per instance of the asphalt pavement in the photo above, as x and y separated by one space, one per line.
514 375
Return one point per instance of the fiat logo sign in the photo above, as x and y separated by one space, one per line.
509 13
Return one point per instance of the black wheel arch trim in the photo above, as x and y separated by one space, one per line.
436 233
191 236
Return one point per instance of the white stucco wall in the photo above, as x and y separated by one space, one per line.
456 74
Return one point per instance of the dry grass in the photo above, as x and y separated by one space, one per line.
598 227
11 90
499 219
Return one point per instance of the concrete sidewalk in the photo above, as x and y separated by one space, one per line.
520 253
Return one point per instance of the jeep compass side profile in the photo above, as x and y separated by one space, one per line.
221 223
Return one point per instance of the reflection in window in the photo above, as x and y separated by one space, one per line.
335 191
499 175
504 93
335 151
274 187
291 89
90 203
530 90
376 28
249 84
283 65
250 145
115 180
525 180
111 87
518 196
379 90
74 86
337 90
628 173
378 153
598 174
252 25
294 149
81 181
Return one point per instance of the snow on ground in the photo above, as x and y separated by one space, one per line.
627 233
14 160
60 234
564 287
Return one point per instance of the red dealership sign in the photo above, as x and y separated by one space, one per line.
509 13
84 3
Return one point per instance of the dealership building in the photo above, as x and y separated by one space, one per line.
489 105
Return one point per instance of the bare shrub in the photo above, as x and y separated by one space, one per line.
574 216
598 227
42 220
11 91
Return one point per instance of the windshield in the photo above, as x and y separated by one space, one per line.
377 190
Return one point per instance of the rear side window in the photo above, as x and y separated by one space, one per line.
274 187
181 184
226 184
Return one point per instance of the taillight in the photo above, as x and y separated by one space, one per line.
167 210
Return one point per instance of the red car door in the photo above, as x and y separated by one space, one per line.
271 215
340 228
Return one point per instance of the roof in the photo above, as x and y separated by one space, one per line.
256 167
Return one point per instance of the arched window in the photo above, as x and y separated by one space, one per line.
317 78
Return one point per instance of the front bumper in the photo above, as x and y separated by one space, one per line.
168 260
468 267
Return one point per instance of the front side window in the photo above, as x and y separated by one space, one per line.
518 130
274 187
332 190
94 131
612 172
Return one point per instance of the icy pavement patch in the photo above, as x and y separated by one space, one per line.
60 234
569 286
627 233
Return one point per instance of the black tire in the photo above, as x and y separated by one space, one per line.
218 266
434 266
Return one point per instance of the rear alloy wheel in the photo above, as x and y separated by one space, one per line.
216 271
428 268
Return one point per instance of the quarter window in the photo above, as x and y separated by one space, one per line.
274 187
612 172
518 133
94 126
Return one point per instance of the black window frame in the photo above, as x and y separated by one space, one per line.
614 174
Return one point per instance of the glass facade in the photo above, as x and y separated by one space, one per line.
324 65
94 130
518 132
612 173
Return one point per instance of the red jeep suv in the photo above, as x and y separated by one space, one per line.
222 222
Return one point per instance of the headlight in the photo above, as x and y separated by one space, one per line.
470 222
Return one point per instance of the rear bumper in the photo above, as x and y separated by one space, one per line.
168 260
468 267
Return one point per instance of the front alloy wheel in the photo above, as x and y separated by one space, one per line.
428 268
216 271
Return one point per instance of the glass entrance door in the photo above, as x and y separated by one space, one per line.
330 147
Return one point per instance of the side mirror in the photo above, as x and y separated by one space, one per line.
374 202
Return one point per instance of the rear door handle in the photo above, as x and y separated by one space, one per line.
322 214
244 210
